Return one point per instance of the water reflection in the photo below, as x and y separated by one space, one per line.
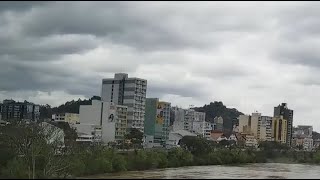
250 171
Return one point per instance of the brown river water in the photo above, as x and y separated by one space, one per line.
249 171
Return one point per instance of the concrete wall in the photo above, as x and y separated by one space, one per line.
198 127
108 124
179 119
243 121
90 114
106 92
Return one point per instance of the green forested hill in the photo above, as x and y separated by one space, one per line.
218 109
69 107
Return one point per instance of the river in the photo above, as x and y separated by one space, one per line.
249 171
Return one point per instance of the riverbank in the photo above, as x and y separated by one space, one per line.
145 160
248 171
83 161
108 161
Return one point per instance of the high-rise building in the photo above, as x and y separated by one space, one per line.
157 121
283 110
279 129
130 92
12 110
195 121
255 118
264 130
191 120
256 125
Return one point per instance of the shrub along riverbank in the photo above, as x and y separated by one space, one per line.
101 160
25 153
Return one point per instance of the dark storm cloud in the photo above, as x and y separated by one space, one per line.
232 51
46 48
134 24
17 76
112 21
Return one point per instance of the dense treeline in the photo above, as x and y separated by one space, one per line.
69 107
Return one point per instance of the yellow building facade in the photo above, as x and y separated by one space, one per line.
279 129
72 118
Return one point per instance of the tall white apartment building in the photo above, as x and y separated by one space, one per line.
255 118
130 92
264 130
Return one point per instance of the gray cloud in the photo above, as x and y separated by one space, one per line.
19 6
249 56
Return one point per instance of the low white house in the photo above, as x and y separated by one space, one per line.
149 142
176 136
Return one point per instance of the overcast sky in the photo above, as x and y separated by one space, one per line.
249 55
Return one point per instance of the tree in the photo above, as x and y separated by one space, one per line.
135 137
300 147
37 147
69 107
224 143
272 145
196 145
112 144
